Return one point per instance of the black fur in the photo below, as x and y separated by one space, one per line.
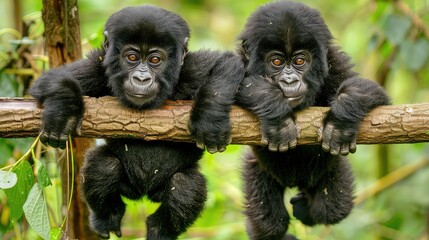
321 173
165 172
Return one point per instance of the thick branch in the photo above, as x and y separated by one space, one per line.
105 118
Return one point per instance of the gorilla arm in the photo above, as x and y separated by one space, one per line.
351 102
60 91
212 79
260 96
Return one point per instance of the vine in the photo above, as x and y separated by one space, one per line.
24 183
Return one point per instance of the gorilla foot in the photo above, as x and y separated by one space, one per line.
301 209
103 226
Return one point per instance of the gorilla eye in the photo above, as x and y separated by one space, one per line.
132 57
299 61
277 62
155 60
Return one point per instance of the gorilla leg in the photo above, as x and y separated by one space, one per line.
267 217
331 200
101 177
182 202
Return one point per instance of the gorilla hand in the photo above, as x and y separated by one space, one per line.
61 96
281 136
338 138
210 134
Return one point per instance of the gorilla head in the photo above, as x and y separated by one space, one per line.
145 47
287 45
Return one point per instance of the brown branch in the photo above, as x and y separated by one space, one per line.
106 118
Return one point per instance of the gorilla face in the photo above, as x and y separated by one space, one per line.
287 71
145 47
144 64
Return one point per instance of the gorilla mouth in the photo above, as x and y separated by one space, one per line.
294 98
141 95
140 98
295 101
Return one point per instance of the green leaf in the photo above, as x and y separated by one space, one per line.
8 86
36 212
42 176
18 194
396 28
56 234
415 54
379 10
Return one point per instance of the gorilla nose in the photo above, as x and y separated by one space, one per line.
141 78
291 81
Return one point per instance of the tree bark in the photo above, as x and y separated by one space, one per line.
62 32
106 118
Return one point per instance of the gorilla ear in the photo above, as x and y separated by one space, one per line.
106 40
185 49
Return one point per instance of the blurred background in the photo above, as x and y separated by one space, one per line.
388 42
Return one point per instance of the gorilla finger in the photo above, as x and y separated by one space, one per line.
53 141
293 143
70 125
328 132
264 141
104 235
44 138
62 141
62 145
335 148
79 127
273 147
212 150
221 149
283 147
325 146
118 233
230 140
344 149
353 146
200 145
335 151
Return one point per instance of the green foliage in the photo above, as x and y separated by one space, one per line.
55 234
18 194
42 176
414 53
36 211
396 27
28 196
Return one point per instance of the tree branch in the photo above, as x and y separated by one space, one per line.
106 118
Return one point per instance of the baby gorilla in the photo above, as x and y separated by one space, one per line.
291 64
141 64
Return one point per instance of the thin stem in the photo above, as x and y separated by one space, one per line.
27 155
